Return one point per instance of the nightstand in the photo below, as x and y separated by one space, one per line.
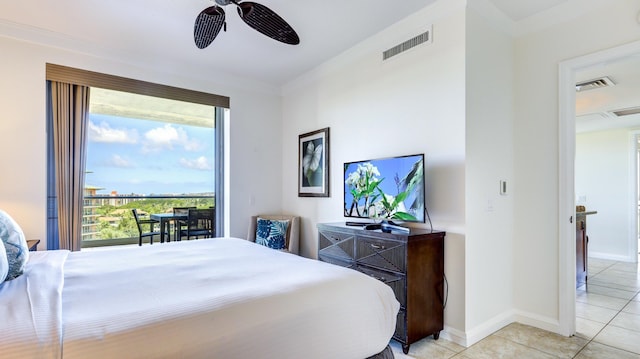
33 244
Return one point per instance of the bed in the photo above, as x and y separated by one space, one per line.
210 298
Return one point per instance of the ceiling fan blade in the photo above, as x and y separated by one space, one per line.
267 22
207 26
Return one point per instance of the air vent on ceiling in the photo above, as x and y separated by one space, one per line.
627 111
425 37
594 84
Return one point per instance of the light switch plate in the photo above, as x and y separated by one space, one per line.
503 187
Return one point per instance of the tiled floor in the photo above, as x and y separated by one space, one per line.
607 323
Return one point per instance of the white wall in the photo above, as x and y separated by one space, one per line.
537 56
603 179
412 103
255 132
489 159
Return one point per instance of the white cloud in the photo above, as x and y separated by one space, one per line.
119 161
201 163
167 137
104 133
193 146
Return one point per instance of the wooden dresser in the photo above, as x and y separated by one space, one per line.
582 247
412 264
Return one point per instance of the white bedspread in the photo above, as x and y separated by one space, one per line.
30 309
218 298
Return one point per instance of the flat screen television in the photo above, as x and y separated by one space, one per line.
385 189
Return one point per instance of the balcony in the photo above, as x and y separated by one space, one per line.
107 219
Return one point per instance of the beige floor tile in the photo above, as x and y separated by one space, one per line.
633 307
595 350
601 262
551 343
621 338
429 349
607 290
617 283
495 347
456 348
626 267
594 312
397 351
627 321
602 300
587 329
611 273
581 289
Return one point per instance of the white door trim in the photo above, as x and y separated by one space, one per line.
566 177
632 245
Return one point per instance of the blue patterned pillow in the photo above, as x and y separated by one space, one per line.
4 264
271 233
15 245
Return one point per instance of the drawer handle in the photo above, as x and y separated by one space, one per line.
377 246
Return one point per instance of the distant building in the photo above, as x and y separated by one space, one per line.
89 215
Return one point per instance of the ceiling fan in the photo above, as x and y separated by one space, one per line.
212 19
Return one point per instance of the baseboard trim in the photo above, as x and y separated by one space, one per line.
489 327
467 339
454 335
538 321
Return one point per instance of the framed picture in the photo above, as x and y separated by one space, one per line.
313 164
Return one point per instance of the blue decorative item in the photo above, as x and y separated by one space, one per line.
272 233
15 245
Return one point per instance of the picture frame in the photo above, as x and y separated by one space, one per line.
313 163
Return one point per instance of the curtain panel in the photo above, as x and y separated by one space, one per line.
69 112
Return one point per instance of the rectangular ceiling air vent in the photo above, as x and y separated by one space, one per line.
594 84
425 37
627 111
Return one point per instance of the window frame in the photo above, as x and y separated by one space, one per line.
77 76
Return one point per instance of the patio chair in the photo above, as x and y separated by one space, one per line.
199 224
142 222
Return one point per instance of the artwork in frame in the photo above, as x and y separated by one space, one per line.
313 164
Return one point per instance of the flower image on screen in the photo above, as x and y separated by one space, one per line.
386 189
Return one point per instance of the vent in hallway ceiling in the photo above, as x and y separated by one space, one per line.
627 111
425 37
594 84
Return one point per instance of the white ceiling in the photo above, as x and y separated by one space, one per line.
160 33
594 107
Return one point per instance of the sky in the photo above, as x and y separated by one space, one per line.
134 156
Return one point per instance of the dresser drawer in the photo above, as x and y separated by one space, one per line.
336 245
381 253
397 282
342 262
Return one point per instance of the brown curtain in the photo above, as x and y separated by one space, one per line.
70 109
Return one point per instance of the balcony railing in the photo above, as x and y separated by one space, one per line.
108 220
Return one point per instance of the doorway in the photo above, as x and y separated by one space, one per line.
567 200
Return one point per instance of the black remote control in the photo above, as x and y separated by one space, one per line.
371 227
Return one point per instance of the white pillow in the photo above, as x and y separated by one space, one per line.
15 245
4 264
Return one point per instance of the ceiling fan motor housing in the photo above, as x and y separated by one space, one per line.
223 2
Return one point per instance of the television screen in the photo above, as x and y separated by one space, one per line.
385 189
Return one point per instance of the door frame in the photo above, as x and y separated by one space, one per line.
566 176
